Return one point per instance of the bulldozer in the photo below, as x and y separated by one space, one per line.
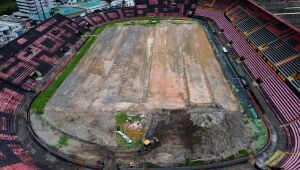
148 145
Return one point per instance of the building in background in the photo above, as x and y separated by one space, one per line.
122 3
10 28
75 8
38 10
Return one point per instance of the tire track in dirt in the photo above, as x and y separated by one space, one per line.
155 92
176 90
199 48
115 61
167 87
197 87
138 67
222 94
180 52
145 86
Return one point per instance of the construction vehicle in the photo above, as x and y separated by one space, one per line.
148 145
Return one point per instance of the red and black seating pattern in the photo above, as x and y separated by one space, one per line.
40 49
12 155
93 20
165 7
10 97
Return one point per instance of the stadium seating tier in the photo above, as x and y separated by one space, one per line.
285 101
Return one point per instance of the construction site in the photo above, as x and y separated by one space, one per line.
143 81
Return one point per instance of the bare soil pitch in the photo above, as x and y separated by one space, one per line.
144 69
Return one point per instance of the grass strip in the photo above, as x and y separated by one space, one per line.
40 102
63 140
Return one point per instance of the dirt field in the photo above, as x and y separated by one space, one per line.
143 69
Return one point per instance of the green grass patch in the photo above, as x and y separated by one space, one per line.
121 117
231 157
243 152
129 23
150 165
209 118
63 140
138 143
111 25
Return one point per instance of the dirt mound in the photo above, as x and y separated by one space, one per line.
220 134
202 133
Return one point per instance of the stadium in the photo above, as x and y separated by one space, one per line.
179 84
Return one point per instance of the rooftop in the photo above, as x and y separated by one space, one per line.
11 18
69 10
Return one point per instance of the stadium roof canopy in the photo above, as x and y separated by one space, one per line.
288 10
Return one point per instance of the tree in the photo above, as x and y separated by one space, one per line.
8 6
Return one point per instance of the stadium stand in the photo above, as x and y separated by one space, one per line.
39 49
143 8
275 36
273 59
270 37
12 155
10 97
164 8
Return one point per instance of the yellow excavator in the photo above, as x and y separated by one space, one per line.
148 145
